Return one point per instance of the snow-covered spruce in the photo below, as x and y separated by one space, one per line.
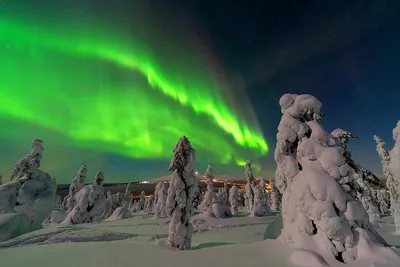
233 199
275 197
392 182
250 183
29 162
391 171
142 199
225 193
260 207
127 196
242 199
319 211
77 184
150 204
383 202
158 187
179 205
122 210
364 181
198 197
110 205
264 192
205 206
119 199
160 209
220 209
91 203
135 206
28 199
58 201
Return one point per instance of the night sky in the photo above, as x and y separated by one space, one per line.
211 70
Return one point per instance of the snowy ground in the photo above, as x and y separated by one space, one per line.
139 241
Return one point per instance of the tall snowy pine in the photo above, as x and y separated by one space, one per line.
180 195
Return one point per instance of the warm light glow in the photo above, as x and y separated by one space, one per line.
138 196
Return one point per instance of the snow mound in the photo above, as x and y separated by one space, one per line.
33 199
65 235
119 214
221 210
370 250
308 258
12 225
56 217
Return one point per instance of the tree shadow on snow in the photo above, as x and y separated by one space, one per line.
211 244
273 229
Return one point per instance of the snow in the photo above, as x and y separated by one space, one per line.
139 241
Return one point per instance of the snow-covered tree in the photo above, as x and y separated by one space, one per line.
205 206
391 171
58 201
127 196
250 183
242 199
233 199
142 199
392 182
24 167
198 197
275 197
364 181
122 210
260 207
134 207
318 184
158 187
160 210
110 205
1 179
28 198
119 199
263 188
383 202
150 204
91 203
180 195
219 207
77 184
225 193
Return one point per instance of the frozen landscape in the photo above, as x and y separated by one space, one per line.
323 209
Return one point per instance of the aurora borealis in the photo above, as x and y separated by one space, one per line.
84 83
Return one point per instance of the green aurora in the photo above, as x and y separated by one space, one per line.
117 93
